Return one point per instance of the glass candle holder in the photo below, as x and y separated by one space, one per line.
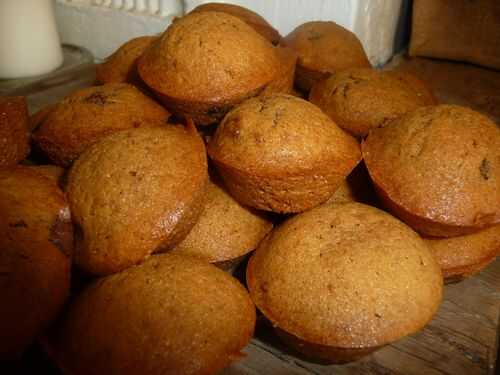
29 42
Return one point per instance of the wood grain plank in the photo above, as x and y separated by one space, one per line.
261 360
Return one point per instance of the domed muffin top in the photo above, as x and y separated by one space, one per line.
208 56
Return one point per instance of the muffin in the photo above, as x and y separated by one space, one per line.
283 82
324 48
37 118
35 244
91 113
463 256
342 280
14 136
170 315
252 19
420 87
438 169
282 154
52 172
121 66
359 100
135 192
357 187
225 232
199 69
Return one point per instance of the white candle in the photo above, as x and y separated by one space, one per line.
29 42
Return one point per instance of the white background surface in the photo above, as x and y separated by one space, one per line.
102 25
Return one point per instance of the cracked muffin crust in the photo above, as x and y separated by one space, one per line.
280 153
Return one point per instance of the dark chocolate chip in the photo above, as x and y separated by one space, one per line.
96 98
485 169
18 224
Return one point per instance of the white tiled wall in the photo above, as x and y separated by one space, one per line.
102 25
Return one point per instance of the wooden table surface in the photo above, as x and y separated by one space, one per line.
461 339
463 336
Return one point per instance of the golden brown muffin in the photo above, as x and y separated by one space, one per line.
91 113
359 99
438 169
14 136
463 256
252 19
121 66
283 82
225 230
37 118
199 68
342 280
420 87
357 187
171 315
324 48
136 192
36 238
280 153
52 172
344 194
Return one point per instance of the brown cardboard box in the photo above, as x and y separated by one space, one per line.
464 30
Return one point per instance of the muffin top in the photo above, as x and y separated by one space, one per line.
200 58
284 80
37 118
36 239
14 136
91 113
170 315
345 275
35 214
121 66
129 192
225 230
361 99
252 19
326 47
52 172
439 163
465 251
282 134
357 187
420 87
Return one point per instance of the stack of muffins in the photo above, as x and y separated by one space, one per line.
195 145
